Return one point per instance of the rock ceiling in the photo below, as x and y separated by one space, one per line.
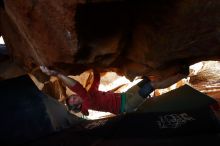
158 39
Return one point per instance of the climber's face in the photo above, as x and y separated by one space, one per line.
74 103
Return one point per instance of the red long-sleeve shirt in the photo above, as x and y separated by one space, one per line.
98 100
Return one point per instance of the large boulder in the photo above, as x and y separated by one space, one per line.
207 79
157 39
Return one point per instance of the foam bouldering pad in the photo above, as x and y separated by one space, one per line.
159 123
184 98
141 129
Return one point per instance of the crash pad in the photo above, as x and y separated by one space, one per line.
133 129
191 121
184 98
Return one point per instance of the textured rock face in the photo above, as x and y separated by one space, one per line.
38 32
153 38
207 79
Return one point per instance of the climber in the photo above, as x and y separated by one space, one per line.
102 101
109 101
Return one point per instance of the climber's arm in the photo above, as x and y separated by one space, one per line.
69 82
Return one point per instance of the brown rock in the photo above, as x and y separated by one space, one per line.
55 89
152 38
207 79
